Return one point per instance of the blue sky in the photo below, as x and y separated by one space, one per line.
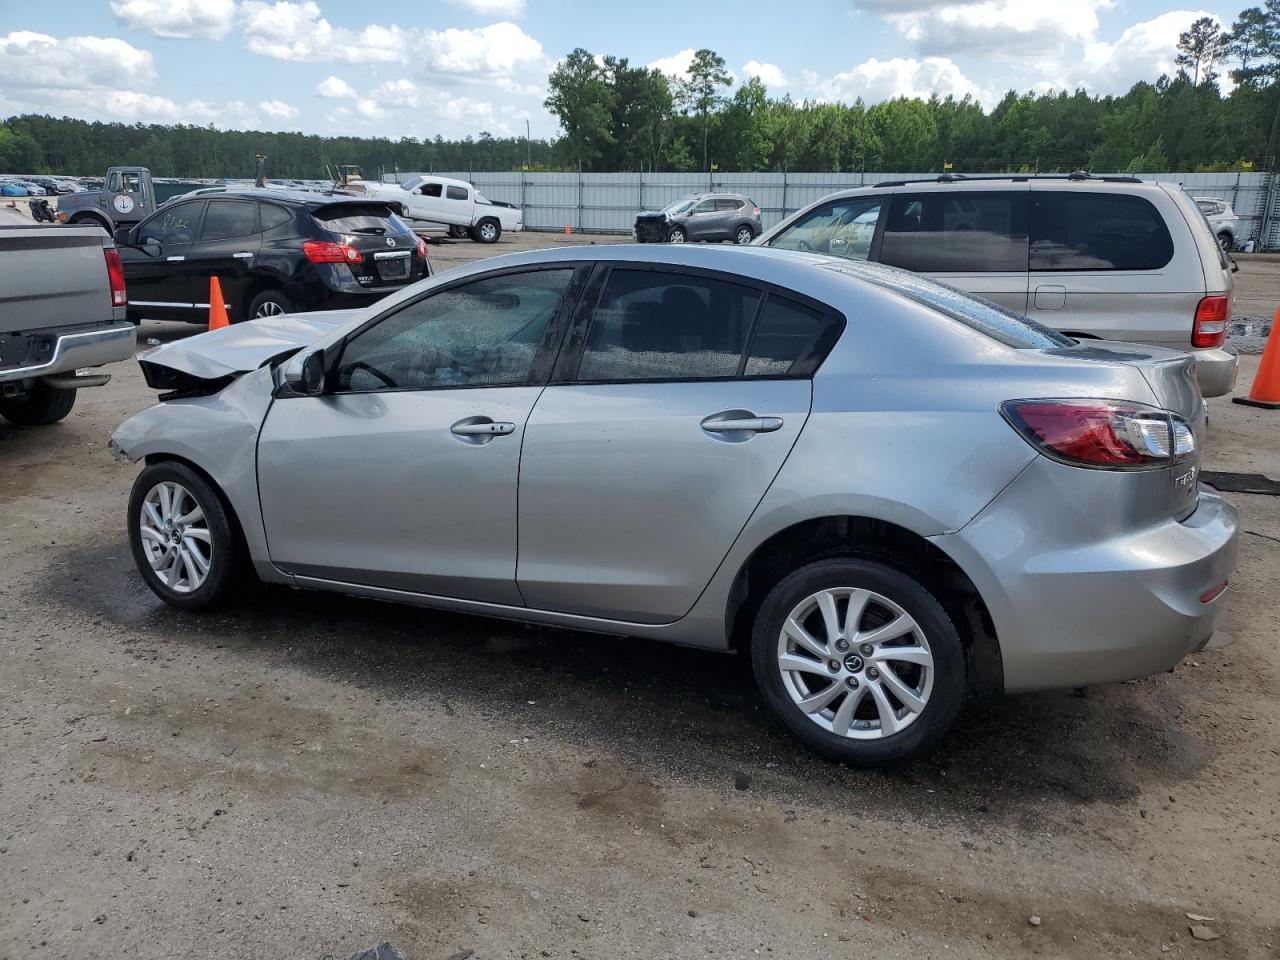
457 67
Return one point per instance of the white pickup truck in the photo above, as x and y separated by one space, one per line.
454 203
62 311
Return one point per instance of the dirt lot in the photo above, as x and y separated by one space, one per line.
306 775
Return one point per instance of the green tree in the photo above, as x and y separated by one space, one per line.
701 93
1247 41
1200 47
582 100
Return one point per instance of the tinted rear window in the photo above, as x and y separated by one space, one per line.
355 218
1075 230
457 193
228 219
957 231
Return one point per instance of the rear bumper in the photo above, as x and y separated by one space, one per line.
66 350
1070 611
1216 370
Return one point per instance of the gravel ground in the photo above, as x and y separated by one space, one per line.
306 775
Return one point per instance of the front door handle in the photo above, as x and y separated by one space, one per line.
481 429
243 256
740 423
175 259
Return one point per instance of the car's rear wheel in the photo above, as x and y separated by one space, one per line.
457 232
487 230
269 303
39 406
677 235
1226 242
744 235
181 536
859 660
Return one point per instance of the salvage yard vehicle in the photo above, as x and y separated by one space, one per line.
1110 258
887 493
704 216
62 314
273 252
127 195
452 203
1222 221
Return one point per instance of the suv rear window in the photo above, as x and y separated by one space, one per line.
358 218
957 231
1076 230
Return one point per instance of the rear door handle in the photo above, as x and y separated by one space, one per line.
740 421
481 429
243 256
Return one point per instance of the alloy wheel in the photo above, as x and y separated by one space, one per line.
269 308
744 236
176 537
488 232
675 236
855 663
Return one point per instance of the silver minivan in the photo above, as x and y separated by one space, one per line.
1108 258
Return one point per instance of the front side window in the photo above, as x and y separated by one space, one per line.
841 228
457 193
651 325
432 189
957 232
228 219
130 183
174 224
482 333
706 206
1077 230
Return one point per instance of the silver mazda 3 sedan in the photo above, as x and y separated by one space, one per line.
886 493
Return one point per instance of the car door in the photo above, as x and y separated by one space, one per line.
726 218
427 203
403 474
972 239
701 222
457 205
228 243
674 406
156 284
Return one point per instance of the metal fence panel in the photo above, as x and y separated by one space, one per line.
608 202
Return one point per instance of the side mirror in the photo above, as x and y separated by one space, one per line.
305 375
123 236
152 246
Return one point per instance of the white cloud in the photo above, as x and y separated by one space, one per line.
1009 29
769 74
1142 52
296 31
334 88
500 48
492 8
37 60
209 19
877 80
278 109
676 65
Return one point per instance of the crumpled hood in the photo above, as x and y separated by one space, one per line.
237 349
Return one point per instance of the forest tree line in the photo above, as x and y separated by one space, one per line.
618 117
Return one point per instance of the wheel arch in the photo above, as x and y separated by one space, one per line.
91 216
237 529
877 539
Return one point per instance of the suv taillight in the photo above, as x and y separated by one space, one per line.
756 211
327 251
1210 328
422 249
1103 434
115 274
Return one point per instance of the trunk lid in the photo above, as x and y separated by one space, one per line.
386 243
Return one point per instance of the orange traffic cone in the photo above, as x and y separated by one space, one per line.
1265 392
567 230
217 308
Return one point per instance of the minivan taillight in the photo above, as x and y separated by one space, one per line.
115 274
327 251
1210 328
1102 434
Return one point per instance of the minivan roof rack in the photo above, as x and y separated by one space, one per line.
1015 177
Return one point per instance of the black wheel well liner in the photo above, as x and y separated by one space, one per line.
888 543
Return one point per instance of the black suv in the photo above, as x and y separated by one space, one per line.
273 252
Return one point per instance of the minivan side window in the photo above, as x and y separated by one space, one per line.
1078 230
653 325
957 231
841 228
457 193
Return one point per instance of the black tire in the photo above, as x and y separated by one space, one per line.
227 562
677 235
743 235
487 230
458 233
269 303
949 682
1226 242
38 407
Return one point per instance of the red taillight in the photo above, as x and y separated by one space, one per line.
422 249
326 251
1210 328
1213 593
756 211
1101 433
115 274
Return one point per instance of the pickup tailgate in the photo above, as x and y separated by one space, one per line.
53 276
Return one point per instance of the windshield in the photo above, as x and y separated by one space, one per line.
680 206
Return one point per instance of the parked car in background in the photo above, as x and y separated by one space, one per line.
706 446
702 217
17 188
452 203
1222 220
273 252
62 315
1109 258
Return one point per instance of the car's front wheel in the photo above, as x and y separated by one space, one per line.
743 236
181 536
677 235
859 660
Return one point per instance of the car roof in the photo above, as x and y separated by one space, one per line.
302 197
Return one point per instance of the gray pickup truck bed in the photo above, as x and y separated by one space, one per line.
58 315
